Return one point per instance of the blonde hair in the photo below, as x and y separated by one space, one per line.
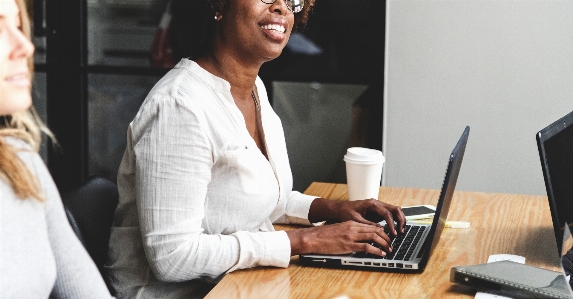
26 126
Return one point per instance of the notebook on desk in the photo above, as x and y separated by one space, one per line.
413 249
555 145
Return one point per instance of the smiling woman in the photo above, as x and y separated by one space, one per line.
41 256
14 68
196 20
206 173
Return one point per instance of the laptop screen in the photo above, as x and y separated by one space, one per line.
448 187
559 153
556 151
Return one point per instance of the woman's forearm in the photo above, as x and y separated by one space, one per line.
322 209
298 242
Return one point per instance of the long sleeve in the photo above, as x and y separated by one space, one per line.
297 208
76 274
174 169
40 254
197 196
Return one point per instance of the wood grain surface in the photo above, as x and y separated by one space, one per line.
500 223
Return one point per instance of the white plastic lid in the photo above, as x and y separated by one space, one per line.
361 155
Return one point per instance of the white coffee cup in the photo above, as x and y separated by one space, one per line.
363 172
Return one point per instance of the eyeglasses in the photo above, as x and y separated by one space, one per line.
293 5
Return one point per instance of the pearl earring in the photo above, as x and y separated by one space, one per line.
216 18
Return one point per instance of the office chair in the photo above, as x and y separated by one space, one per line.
90 210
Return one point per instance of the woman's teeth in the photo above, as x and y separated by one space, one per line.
274 27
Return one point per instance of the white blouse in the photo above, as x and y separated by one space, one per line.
197 196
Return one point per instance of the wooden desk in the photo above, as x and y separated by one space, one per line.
500 223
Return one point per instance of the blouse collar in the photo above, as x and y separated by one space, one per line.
212 80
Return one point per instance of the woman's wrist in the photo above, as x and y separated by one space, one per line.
298 242
322 209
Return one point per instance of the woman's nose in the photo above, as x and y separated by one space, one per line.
280 6
23 47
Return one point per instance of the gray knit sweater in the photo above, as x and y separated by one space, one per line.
40 256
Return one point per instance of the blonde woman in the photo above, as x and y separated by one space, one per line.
40 256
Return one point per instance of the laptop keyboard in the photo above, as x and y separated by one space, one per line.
403 245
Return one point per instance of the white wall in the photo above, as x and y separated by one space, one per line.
505 68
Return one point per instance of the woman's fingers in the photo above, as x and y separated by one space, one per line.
379 244
358 237
378 236
340 238
370 211
399 216
392 214
373 250
356 216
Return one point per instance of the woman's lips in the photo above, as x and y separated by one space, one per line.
275 27
20 80
276 32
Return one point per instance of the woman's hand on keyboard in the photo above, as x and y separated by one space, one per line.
369 211
340 238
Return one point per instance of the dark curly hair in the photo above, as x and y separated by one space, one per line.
192 26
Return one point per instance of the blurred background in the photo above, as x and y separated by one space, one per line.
96 60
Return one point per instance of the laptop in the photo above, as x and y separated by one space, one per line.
555 145
413 249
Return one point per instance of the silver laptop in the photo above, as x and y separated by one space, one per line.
413 249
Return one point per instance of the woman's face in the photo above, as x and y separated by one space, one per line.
255 29
15 49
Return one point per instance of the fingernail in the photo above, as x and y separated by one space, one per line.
395 232
383 253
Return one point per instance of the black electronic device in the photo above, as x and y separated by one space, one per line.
555 145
